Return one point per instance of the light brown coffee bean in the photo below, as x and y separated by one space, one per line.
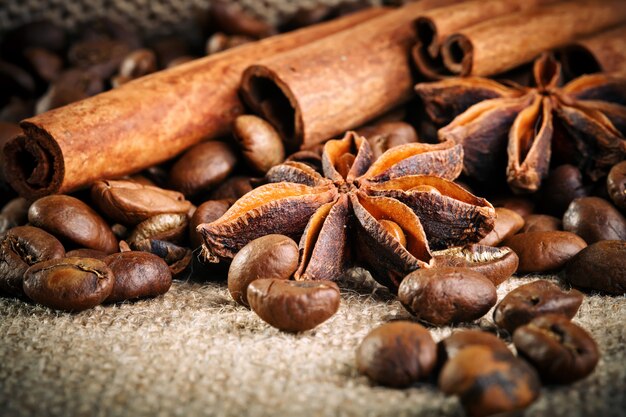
219 42
386 135
541 223
601 266
168 226
397 354
443 296
560 350
69 284
137 275
544 251
508 222
232 188
449 347
293 306
101 56
138 63
259 142
86 253
535 299
271 256
521 205
594 219
71 220
616 185
205 213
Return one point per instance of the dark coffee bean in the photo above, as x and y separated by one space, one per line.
616 185
219 42
442 296
397 354
594 219
177 258
104 28
293 306
488 382
86 253
561 351
14 81
138 275
232 188
449 347
306 16
202 167
497 264
544 251
538 298
601 266
312 158
42 34
138 63
17 109
541 223
130 203
522 206
169 226
70 284
70 86
169 48
563 185
69 219
386 135
101 56
508 222
205 213
260 144
16 210
20 248
231 18
45 64
270 256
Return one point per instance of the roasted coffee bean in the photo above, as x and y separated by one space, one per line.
541 223
449 347
232 188
535 299
45 64
508 222
41 33
20 248
15 81
177 258
270 256
16 210
563 185
137 275
561 351
522 206
202 167
386 135
169 226
489 381
497 264
17 109
219 42
168 49
443 296
307 16
120 231
594 219
544 251
69 284
231 18
601 266
397 354
86 253
205 213
138 63
616 185
130 203
260 144
101 56
71 220
179 61
70 86
116 29
293 306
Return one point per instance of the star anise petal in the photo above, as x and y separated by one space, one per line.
547 72
449 214
346 158
297 172
616 113
529 146
603 87
283 208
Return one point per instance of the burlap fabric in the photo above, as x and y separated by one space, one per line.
195 352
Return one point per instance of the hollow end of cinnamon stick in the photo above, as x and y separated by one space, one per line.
578 60
425 53
33 165
271 98
457 52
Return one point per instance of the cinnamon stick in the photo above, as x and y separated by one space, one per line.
318 91
144 122
605 51
434 26
503 43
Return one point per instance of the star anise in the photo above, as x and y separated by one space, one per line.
583 123
386 214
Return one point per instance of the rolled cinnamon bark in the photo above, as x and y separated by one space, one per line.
605 51
340 82
434 26
143 122
503 43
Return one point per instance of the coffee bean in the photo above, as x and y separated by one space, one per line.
293 306
15 81
270 256
179 61
17 109
45 64
601 266
130 203
397 354
168 226
86 253
442 296
260 144
489 381
169 48
70 284
231 18
232 188
386 135
138 63
176 257
497 264
100 56
522 206
535 299
219 42
449 347
594 219
563 185
39 33
541 223
616 185
20 248
508 222
205 213
561 351
16 210
202 167
544 251
70 86
137 275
